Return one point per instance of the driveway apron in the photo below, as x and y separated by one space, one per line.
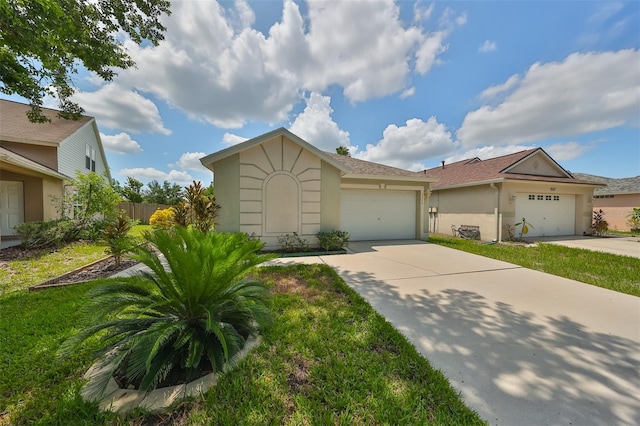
523 347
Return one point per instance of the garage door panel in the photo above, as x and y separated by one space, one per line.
378 214
550 214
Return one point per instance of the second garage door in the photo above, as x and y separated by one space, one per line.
378 214
550 214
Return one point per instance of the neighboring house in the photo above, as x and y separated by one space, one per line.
616 200
36 159
497 193
277 184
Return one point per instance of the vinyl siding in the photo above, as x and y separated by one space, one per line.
71 153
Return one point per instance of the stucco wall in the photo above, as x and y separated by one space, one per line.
465 206
617 208
45 155
38 192
280 192
537 165
330 196
478 205
226 181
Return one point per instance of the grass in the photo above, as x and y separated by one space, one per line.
618 273
22 273
327 358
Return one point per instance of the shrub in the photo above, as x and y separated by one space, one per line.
292 243
600 226
634 219
162 218
53 233
191 315
334 240
116 236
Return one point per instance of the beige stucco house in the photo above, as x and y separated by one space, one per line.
277 184
36 158
617 199
496 193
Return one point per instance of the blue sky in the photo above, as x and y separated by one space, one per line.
405 83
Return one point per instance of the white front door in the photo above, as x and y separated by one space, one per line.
550 214
11 206
369 214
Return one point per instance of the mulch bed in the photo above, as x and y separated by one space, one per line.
102 268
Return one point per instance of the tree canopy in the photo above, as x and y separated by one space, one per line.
42 43
343 150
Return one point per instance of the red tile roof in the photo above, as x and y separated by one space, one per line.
473 171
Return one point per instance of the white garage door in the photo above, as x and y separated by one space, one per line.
550 214
378 214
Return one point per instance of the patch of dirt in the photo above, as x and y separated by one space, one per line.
298 379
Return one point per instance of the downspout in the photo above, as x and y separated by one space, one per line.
496 211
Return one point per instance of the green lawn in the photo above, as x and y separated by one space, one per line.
328 358
619 273
23 273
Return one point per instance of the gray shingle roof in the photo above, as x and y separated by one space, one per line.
362 167
16 127
630 185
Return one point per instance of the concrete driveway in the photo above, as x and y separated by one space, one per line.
620 245
523 347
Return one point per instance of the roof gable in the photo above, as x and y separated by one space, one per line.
517 166
349 167
209 160
537 163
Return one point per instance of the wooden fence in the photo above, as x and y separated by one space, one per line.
141 211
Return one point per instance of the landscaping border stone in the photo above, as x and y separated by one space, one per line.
158 400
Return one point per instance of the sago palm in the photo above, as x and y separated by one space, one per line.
193 311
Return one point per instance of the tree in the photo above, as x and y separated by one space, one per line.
42 42
197 209
167 193
193 312
343 150
88 196
132 190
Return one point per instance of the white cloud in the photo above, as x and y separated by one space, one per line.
214 66
149 173
408 92
422 13
495 90
231 139
487 46
117 108
191 161
605 11
584 93
120 144
316 126
407 146
567 151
